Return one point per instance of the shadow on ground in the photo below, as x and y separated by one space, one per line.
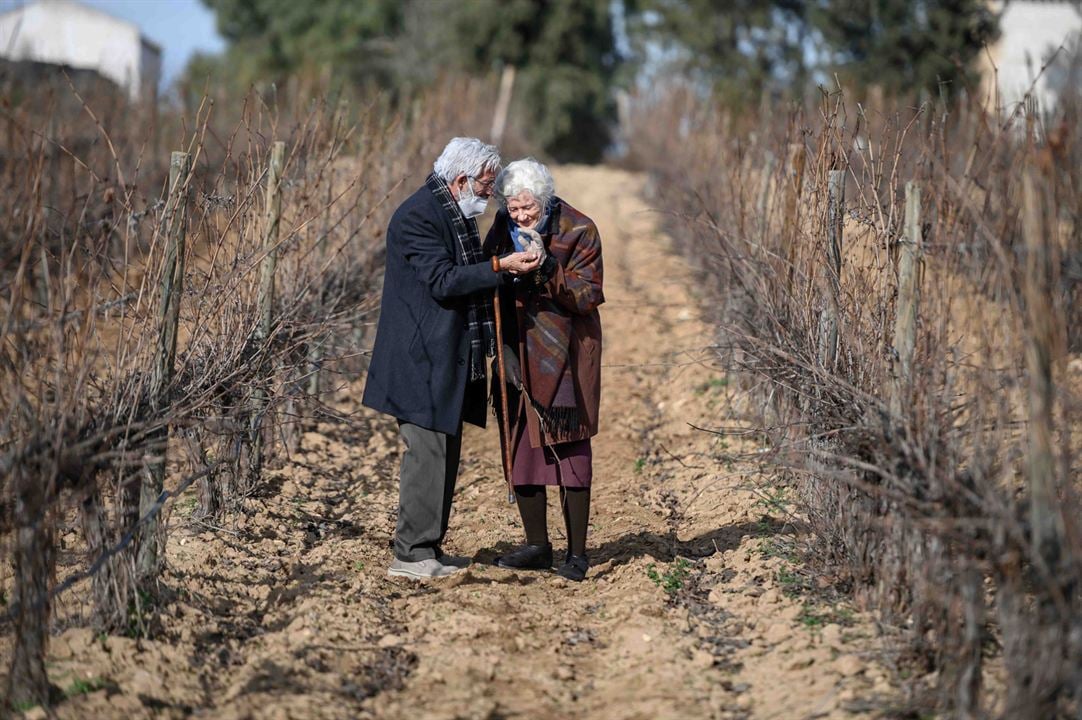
666 547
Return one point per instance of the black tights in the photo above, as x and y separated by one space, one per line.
533 506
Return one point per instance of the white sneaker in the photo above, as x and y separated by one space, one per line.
421 569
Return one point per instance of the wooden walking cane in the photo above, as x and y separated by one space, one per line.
505 425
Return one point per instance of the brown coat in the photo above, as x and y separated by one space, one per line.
565 305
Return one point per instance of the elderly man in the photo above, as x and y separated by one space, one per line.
435 331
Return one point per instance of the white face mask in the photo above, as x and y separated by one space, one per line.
471 205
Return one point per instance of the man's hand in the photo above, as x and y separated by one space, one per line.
520 263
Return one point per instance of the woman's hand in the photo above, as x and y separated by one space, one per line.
520 263
533 242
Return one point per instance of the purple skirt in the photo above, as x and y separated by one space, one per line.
568 464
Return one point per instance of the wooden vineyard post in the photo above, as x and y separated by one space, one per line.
1040 333
967 684
315 352
270 239
34 558
831 285
905 312
172 288
52 202
791 218
265 301
503 103
173 272
763 208
13 168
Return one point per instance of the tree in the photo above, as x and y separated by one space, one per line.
270 39
905 45
566 56
739 49
744 47
564 51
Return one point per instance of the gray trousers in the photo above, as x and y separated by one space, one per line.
425 490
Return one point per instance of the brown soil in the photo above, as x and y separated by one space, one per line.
691 608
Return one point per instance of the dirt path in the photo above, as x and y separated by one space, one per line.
692 608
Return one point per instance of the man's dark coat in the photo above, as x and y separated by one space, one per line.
420 361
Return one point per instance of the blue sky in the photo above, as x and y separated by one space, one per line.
179 27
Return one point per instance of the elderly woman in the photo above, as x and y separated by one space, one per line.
552 358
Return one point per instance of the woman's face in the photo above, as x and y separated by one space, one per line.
524 209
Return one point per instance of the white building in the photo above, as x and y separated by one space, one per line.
1031 31
66 32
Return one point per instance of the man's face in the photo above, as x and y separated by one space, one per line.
482 185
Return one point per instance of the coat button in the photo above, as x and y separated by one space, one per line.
461 361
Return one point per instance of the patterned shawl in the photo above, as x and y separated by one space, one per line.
480 315
548 371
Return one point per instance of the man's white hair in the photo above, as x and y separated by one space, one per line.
466 156
529 175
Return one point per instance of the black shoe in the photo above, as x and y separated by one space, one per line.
528 557
575 568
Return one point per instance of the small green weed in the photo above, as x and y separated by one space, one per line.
773 500
772 548
640 463
844 615
711 384
358 566
670 580
186 506
811 619
140 610
83 687
792 584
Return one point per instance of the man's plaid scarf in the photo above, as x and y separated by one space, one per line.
479 315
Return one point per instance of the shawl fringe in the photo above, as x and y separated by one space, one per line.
558 422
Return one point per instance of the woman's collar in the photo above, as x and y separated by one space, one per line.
544 225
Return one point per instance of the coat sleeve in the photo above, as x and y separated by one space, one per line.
491 245
427 253
497 240
576 287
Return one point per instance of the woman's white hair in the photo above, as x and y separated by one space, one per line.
466 156
526 174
